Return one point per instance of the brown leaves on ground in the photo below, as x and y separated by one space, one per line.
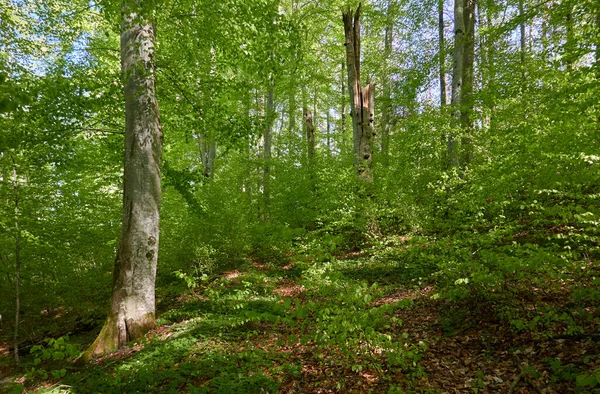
490 357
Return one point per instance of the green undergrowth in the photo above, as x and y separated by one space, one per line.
235 333
263 326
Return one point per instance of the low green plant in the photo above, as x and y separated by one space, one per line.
47 358
588 380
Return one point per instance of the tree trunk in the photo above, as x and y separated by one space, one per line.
132 310
570 43
457 78
365 151
598 44
343 113
361 99
292 112
268 137
442 52
309 132
17 265
523 38
387 88
208 152
466 120
328 132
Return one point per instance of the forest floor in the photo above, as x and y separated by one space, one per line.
360 323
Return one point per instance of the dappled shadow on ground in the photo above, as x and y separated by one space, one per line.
470 350
264 330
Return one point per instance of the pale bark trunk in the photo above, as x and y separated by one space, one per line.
523 38
17 265
387 88
208 152
268 137
457 78
442 52
132 310
361 99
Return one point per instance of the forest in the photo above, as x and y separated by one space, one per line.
300 196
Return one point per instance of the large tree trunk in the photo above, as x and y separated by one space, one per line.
361 99
132 306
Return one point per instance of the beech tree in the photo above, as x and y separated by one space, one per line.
132 307
361 99
462 79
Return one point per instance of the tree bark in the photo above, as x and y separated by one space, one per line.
268 137
523 38
570 43
343 113
292 112
328 132
442 52
132 309
361 99
309 132
17 265
597 44
457 78
208 151
466 120
387 88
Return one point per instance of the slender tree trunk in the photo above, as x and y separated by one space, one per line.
544 33
468 79
343 113
315 108
361 99
208 151
483 51
132 310
328 132
268 137
17 265
457 78
292 112
523 39
570 43
309 132
598 44
387 88
442 51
